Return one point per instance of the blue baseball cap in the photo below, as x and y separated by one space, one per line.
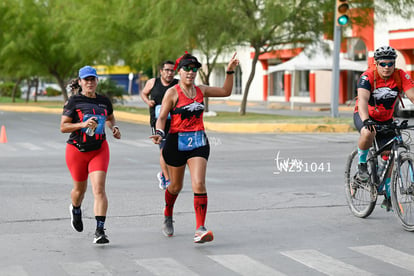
87 71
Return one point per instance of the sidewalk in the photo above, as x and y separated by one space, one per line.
287 109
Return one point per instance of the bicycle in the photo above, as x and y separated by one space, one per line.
362 196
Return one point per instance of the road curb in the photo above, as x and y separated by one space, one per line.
218 127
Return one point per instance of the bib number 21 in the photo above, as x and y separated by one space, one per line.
191 140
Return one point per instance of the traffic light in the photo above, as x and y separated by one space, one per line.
342 12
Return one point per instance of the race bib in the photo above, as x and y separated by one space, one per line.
191 140
157 112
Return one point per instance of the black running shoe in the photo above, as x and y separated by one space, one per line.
100 237
386 204
76 219
168 228
363 174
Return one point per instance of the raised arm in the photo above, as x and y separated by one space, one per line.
225 91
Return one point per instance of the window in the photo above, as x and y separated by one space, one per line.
303 83
277 85
237 87
219 75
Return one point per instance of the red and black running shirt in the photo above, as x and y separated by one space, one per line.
187 115
80 108
382 100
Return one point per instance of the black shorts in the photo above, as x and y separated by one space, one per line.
176 158
382 137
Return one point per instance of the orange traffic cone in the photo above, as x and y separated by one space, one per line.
3 135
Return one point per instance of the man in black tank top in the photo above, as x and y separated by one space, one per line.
152 95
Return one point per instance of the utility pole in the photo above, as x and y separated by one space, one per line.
335 72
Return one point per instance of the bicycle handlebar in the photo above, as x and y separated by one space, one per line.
394 125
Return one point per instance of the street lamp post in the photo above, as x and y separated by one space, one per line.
130 78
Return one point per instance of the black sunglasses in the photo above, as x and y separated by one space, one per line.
188 69
389 64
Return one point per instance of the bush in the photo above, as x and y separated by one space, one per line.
52 92
109 88
6 90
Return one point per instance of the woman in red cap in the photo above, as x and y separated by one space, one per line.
186 142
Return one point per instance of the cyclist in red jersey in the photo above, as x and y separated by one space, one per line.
378 91
85 115
186 142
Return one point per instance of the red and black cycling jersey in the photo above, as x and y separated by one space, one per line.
187 115
383 94
80 108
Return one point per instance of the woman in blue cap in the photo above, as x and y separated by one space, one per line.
87 153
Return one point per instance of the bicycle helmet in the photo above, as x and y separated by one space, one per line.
385 52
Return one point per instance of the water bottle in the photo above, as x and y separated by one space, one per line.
91 131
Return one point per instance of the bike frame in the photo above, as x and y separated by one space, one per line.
396 143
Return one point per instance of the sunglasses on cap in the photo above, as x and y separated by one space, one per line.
188 69
389 64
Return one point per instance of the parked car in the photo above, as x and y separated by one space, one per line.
41 90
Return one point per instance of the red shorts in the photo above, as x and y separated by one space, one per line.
80 164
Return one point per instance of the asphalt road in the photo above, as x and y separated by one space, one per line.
267 220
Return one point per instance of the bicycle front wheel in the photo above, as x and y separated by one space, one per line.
402 191
361 196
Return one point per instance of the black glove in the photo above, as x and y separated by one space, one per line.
369 124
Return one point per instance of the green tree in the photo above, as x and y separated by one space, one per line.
267 24
215 41
57 37
36 41
165 29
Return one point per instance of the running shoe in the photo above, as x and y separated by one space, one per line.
386 204
76 219
363 174
100 237
167 183
202 235
168 228
161 180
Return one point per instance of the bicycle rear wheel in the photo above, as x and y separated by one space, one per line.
402 191
361 196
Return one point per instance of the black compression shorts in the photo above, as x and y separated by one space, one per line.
176 158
